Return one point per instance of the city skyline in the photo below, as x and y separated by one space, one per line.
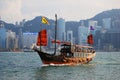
16 10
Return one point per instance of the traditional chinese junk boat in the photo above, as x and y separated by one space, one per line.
69 54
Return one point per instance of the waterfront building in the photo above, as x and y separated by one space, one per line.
16 43
106 23
20 24
10 40
16 24
116 24
29 39
94 25
70 36
2 36
61 30
98 28
111 39
82 34
20 39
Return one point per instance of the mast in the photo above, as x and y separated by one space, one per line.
55 32
40 36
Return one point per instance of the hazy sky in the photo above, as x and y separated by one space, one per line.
71 10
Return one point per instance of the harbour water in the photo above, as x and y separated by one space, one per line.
28 66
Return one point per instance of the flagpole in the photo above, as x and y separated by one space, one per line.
55 32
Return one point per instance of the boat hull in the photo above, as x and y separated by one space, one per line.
50 59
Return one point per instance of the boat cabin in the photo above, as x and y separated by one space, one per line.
83 51
66 50
69 50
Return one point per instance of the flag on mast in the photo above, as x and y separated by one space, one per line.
91 28
45 21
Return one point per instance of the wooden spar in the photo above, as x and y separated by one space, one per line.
55 32
40 34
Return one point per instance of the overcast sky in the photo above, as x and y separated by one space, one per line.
71 10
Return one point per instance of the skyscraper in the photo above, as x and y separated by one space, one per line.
94 25
2 36
61 29
107 23
82 34
20 39
10 40
29 39
70 36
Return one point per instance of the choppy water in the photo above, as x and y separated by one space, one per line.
28 66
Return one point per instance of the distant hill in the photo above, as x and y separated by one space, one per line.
7 25
114 14
34 24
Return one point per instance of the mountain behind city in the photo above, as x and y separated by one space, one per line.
34 24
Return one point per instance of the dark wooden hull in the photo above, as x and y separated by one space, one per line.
51 59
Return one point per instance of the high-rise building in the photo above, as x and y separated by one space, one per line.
61 29
107 23
82 35
10 40
16 24
2 36
16 43
20 39
20 24
29 39
70 36
115 24
93 24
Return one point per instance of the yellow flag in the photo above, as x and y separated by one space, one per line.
45 21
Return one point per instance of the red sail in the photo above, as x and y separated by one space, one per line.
42 38
90 39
